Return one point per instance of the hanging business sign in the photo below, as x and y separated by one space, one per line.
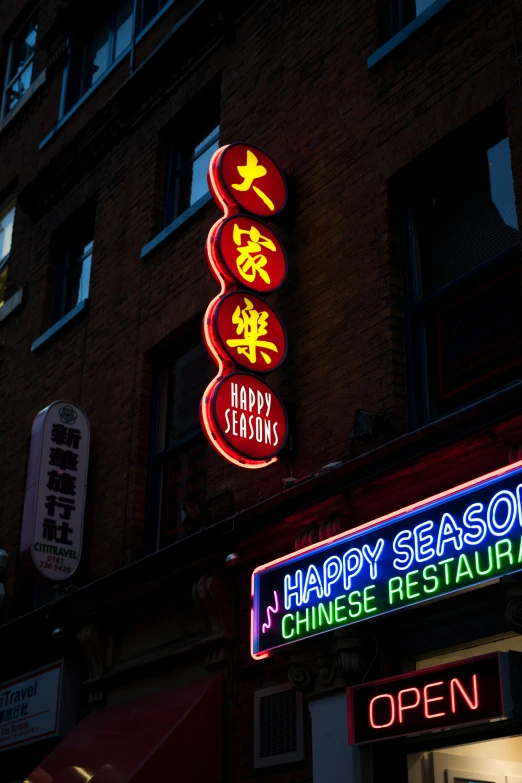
246 251
242 418
52 525
476 690
37 706
234 318
244 178
253 415
452 541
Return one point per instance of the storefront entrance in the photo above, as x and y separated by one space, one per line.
493 761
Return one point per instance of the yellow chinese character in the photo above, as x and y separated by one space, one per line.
250 172
251 260
251 325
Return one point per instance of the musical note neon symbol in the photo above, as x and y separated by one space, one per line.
269 609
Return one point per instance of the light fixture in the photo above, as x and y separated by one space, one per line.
232 559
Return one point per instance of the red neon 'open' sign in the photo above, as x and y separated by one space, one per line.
423 699
459 693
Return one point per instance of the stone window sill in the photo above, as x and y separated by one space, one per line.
176 224
403 35
59 325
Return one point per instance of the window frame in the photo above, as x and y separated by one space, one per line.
423 398
4 261
397 21
65 270
72 245
159 458
8 83
75 71
141 26
175 170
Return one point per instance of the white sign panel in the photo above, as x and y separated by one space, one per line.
52 527
29 707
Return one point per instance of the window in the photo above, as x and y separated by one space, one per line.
19 71
178 486
72 253
6 236
465 277
93 53
148 9
189 155
405 11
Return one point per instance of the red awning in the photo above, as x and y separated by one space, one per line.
176 735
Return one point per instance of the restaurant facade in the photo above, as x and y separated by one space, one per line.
261 385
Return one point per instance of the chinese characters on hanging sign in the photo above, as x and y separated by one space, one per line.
456 540
52 527
242 417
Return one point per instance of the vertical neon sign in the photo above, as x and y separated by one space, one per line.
243 419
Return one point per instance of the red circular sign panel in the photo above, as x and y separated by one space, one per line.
252 180
250 251
250 417
250 331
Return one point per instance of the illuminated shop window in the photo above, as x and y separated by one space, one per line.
178 487
6 236
72 257
96 49
465 282
405 11
19 71
194 141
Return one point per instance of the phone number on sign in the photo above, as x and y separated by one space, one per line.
55 564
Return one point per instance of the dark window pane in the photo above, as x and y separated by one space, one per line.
3 283
410 9
73 250
187 380
18 87
476 337
187 176
123 28
467 317
6 232
97 57
22 48
76 280
468 218
421 5
193 180
184 493
149 9
94 52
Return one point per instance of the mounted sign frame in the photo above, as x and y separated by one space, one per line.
457 694
39 705
455 540
52 524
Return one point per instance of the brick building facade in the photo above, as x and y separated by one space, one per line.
400 130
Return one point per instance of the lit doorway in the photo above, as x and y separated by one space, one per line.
493 761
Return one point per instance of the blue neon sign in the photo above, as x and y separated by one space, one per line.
461 538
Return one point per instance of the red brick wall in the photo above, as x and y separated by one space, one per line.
295 82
